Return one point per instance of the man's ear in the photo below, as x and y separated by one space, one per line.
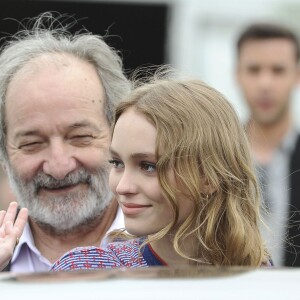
4 166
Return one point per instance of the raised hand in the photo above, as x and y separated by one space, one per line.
10 231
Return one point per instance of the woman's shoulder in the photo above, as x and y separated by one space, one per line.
128 252
86 258
125 253
120 245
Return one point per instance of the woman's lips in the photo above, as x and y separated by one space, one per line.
133 209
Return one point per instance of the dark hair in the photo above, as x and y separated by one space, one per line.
264 31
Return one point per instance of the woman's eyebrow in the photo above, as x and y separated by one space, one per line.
135 155
113 152
143 155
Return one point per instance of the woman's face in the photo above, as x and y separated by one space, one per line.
133 177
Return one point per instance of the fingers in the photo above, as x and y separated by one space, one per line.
21 221
10 217
7 244
11 212
11 228
2 215
13 231
10 235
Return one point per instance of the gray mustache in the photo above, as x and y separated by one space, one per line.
43 180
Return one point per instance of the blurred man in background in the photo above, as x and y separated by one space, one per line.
267 73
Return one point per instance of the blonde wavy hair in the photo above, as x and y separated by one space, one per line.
200 137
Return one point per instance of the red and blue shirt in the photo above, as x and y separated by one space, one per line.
127 254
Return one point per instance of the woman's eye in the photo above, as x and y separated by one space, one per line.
148 167
116 163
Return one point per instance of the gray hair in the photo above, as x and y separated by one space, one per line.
48 36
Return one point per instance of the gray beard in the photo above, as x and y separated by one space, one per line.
64 214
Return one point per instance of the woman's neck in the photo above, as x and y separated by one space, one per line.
165 250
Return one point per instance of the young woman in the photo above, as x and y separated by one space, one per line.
183 176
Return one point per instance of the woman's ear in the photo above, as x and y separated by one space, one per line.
207 188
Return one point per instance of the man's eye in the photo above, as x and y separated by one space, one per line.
148 167
278 70
116 163
30 146
84 139
253 69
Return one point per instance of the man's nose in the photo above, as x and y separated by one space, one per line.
60 161
266 79
127 183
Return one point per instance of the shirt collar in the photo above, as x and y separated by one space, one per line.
289 141
118 223
25 239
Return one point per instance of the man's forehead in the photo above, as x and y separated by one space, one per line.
49 61
42 87
279 46
68 71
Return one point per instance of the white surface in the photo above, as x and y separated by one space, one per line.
259 284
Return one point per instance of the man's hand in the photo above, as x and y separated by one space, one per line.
10 231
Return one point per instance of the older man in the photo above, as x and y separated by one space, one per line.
57 95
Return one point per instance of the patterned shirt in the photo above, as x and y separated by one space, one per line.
127 254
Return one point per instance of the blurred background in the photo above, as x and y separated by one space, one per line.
195 36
